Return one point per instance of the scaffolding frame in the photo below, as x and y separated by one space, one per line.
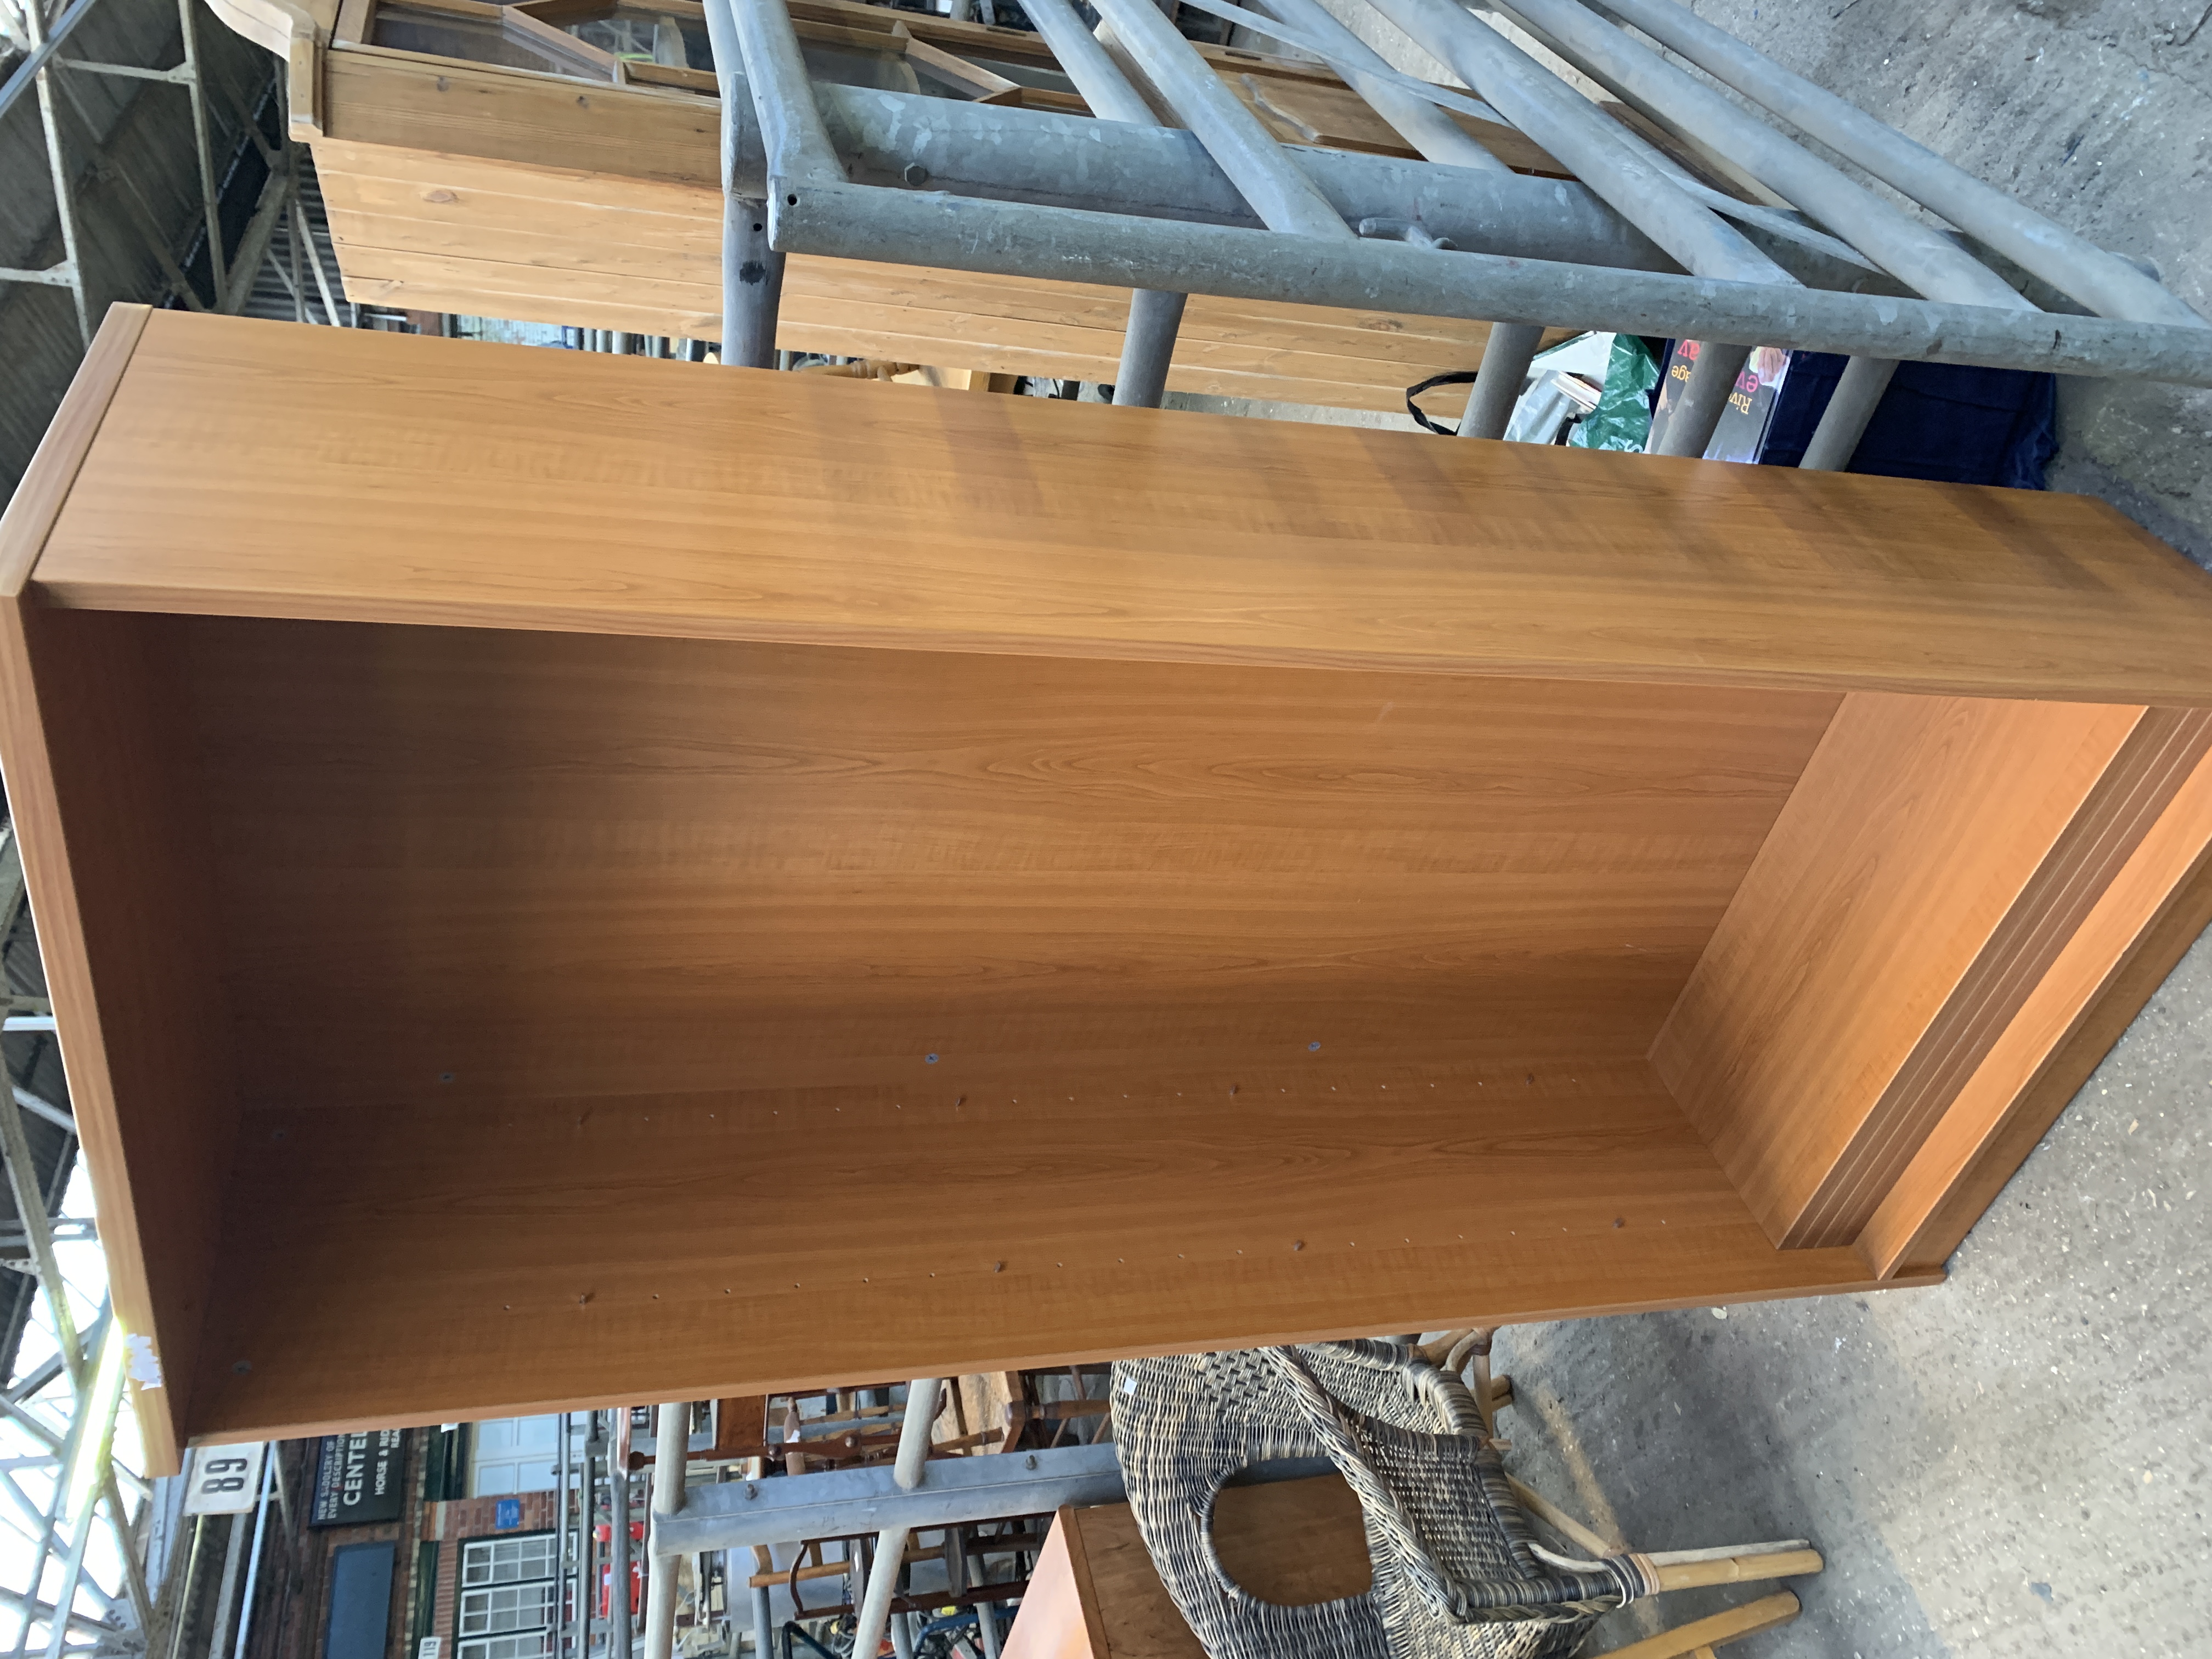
50 1614
280 207
1173 187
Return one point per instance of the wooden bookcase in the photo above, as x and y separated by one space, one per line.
570 878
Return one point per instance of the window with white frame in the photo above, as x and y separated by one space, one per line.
513 1454
509 1597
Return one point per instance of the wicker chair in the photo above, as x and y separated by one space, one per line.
1457 1571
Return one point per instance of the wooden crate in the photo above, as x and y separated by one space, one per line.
570 879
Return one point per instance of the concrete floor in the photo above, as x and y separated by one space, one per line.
2017 1463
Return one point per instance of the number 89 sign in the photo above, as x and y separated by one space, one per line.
223 1480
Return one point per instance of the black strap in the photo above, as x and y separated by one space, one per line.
1458 377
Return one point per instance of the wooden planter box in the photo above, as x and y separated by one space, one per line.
570 879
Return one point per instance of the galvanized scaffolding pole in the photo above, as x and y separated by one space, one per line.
204 151
622 1622
671 1442
1155 317
858 222
1419 122
1283 197
70 271
2075 266
907 1473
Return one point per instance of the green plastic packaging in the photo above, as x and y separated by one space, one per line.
1622 419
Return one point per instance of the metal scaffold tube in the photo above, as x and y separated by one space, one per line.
1283 197
753 285
622 1622
798 148
1913 252
588 1487
960 1491
233 1553
671 1439
57 159
1420 123
1098 78
1506 355
1599 152
2105 283
561 1535
1631 178
252 1564
856 222
906 1471
1155 317
1147 347
203 150
763 1623
1690 427
1018 155
752 270
1843 422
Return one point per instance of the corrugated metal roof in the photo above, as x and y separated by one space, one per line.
129 148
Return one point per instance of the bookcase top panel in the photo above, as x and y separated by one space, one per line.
250 469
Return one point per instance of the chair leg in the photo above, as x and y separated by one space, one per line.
1702 1635
1743 1564
1476 1343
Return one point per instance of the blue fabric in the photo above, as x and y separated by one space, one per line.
1940 420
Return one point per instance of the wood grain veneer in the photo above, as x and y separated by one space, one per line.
622 495
2134 790
1097 1595
87 797
593 1248
2152 911
1934 859
1059 1616
819 864
513 830
1294 1542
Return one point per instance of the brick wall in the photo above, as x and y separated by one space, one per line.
453 1523
303 1639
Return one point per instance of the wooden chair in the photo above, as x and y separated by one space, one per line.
1426 1548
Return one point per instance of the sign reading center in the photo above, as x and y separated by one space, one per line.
358 1478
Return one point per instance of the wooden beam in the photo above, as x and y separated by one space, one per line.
1768 1613
1739 1569
944 66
